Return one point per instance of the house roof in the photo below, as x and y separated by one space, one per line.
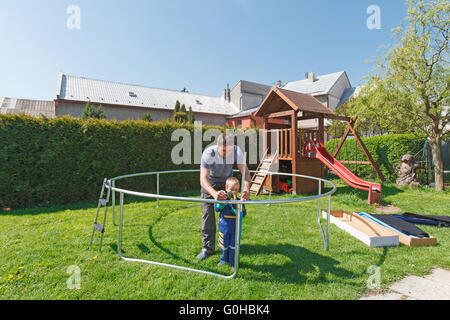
321 85
244 113
283 100
106 92
34 108
348 94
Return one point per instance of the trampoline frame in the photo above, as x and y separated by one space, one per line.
110 185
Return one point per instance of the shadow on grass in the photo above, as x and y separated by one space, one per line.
304 266
144 249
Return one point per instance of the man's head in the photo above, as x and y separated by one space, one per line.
225 144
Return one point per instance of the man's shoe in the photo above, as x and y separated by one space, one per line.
203 254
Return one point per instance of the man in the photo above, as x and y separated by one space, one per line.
216 167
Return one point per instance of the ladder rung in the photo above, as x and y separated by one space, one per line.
99 227
259 180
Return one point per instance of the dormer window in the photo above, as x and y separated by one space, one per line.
198 102
132 94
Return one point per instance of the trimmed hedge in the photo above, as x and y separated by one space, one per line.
386 151
56 161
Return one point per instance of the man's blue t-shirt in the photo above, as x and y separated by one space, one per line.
221 168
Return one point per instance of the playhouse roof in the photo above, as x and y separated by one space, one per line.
279 100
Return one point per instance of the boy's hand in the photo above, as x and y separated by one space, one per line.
220 195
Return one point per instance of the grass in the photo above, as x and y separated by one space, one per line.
282 254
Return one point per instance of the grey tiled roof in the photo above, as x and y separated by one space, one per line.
244 113
321 85
107 92
34 108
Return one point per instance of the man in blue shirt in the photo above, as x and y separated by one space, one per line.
216 167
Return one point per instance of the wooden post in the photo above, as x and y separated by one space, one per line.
321 136
366 152
344 137
356 157
294 149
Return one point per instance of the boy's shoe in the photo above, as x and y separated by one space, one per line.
203 254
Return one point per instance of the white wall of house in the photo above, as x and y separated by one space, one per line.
121 113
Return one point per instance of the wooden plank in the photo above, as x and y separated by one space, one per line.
404 239
371 235
353 162
281 114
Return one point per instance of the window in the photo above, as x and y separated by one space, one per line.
132 94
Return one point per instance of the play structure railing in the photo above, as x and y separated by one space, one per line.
283 138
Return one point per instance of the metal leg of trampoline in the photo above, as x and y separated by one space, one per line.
328 222
157 190
113 204
119 250
319 218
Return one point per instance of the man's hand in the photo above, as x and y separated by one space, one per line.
245 195
220 195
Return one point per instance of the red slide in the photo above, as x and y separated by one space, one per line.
316 149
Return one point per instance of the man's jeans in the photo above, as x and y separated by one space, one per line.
209 219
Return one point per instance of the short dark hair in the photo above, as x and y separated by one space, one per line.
225 139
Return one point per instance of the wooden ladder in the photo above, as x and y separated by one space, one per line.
260 176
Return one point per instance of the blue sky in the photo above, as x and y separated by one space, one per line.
199 44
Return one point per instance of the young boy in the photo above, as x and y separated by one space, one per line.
227 223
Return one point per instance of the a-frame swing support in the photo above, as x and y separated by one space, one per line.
350 128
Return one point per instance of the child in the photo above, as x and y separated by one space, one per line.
227 223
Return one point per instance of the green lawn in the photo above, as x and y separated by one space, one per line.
282 254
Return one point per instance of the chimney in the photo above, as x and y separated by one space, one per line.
279 84
227 93
310 76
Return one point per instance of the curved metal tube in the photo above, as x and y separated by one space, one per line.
110 185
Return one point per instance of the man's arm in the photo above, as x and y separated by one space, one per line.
206 185
246 194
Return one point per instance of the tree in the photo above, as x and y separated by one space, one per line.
191 116
409 91
177 107
183 108
147 117
180 117
90 111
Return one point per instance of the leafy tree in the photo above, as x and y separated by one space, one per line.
409 89
147 117
191 116
180 117
177 107
90 111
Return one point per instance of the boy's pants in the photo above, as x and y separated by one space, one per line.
227 241
209 219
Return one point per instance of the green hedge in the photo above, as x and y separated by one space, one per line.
385 150
64 160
